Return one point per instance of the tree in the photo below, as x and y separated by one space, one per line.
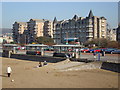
44 40
98 42
113 44
12 42
103 43
4 41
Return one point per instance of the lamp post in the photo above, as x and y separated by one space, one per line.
66 37
25 40
99 47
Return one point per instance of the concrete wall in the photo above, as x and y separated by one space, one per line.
111 66
37 58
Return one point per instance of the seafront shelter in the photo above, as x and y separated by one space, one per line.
36 47
10 46
66 48
74 49
9 49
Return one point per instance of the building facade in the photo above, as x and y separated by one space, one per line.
48 29
81 28
54 30
111 34
91 27
18 30
6 38
35 29
27 32
39 28
118 33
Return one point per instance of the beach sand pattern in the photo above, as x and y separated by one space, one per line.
54 75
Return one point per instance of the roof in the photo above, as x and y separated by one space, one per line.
38 20
55 20
90 14
37 45
70 39
103 17
75 17
63 45
21 22
10 45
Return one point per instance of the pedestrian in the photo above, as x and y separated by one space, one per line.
45 63
94 54
9 70
40 64
73 55
103 53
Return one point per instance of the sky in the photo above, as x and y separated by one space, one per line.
24 11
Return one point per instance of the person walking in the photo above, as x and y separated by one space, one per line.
94 54
9 70
103 53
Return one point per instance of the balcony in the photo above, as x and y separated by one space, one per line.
89 30
103 35
103 21
103 30
102 25
89 26
89 36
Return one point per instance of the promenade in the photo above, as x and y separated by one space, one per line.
108 57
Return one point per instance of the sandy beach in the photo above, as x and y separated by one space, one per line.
26 75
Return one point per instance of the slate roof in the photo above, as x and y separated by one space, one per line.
55 20
75 17
90 14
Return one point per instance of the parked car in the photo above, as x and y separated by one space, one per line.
94 50
103 49
46 49
70 50
33 53
97 50
22 48
110 50
84 49
91 50
116 51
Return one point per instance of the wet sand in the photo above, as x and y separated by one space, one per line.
26 75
